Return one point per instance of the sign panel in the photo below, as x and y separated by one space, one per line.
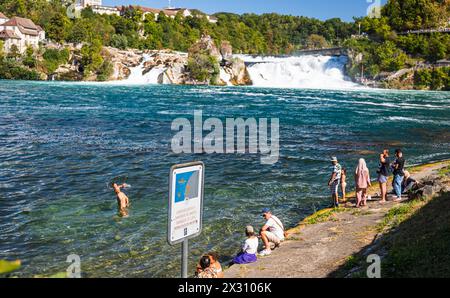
185 201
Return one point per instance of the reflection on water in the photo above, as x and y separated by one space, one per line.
61 145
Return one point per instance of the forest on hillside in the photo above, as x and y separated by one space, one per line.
382 46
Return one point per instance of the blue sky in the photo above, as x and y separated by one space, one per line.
321 9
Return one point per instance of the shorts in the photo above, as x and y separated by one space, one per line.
273 238
382 178
334 187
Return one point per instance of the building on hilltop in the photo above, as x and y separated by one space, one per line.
97 7
170 12
20 32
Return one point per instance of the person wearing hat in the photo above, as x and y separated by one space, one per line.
334 181
271 232
249 248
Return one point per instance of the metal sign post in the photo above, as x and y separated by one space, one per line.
184 258
186 183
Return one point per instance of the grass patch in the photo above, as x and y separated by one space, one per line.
418 247
398 214
444 172
323 215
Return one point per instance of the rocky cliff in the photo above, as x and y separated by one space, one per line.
172 66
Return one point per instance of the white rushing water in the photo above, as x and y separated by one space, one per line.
137 77
309 71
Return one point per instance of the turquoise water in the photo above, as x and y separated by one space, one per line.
60 145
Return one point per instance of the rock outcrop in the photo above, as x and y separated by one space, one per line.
237 72
172 66
122 61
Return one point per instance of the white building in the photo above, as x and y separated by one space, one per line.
97 7
171 12
86 3
20 32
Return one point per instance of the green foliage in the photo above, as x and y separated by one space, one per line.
248 33
92 59
388 57
119 41
2 49
29 58
53 58
415 14
13 70
434 79
203 67
315 41
105 71
14 52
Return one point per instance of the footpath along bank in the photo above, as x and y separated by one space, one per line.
336 242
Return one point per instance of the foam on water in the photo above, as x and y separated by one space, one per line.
138 77
314 72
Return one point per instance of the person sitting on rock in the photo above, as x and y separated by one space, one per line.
206 270
408 182
271 232
249 249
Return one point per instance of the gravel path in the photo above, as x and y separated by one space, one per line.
319 249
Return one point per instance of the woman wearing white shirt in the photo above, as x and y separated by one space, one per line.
249 249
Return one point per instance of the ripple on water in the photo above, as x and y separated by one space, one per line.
61 144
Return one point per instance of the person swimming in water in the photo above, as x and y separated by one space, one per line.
122 200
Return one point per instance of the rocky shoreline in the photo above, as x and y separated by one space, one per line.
323 243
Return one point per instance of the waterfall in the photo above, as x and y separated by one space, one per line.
137 77
321 72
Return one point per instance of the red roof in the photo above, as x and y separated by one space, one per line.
6 34
26 26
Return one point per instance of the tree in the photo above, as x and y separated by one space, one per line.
414 14
202 65
437 49
59 27
29 59
92 59
119 41
14 52
316 41
2 49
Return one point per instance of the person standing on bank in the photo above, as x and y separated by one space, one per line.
362 182
334 181
383 174
398 165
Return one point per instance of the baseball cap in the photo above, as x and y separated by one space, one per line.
334 158
265 210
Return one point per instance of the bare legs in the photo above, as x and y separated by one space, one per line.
361 197
265 240
383 189
344 196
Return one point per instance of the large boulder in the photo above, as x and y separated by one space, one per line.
237 71
122 61
170 64
207 43
226 50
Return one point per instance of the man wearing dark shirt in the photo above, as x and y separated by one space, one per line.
398 167
383 173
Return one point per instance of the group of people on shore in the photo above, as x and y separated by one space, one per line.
402 181
272 233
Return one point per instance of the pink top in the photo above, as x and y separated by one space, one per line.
362 176
362 179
